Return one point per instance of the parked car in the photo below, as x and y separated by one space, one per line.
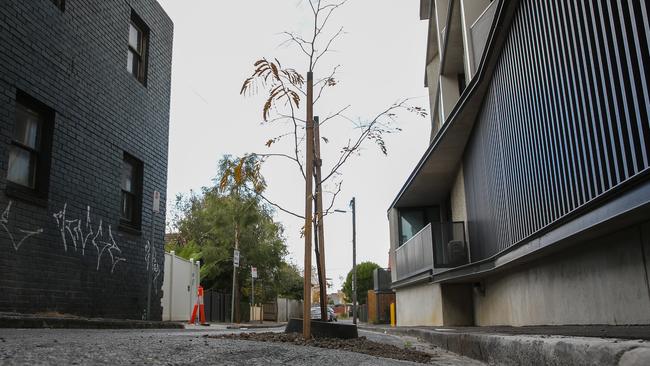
315 313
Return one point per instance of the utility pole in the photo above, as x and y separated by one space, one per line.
235 264
309 172
252 291
354 260
319 233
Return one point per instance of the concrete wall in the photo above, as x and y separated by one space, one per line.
449 93
393 224
433 75
81 260
457 306
457 198
458 201
604 281
434 305
470 12
478 33
440 11
419 305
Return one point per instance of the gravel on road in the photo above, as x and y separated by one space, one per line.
358 345
175 347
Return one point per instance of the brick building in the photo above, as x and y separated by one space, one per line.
84 117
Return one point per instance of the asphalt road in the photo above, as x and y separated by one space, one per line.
180 347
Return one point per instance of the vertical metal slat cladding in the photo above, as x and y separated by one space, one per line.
564 121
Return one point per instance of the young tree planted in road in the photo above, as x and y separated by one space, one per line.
284 89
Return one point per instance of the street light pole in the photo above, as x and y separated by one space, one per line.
235 264
354 260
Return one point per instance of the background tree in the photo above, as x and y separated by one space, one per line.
365 281
207 225
206 232
288 281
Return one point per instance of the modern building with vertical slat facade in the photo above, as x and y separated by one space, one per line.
84 120
531 205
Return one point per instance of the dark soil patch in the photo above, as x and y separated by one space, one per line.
359 345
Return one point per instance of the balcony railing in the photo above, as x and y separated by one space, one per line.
437 245
416 255
450 246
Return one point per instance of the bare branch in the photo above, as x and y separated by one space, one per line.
296 149
296 40
331 8
312 6
327 81
293 119
366 132
287 116
329 43
337 114
333 200
275 155
277 206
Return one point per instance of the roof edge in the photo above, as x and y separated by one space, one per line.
481 77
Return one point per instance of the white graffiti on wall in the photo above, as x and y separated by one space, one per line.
81 233
150 258
74 229
4 222
107 245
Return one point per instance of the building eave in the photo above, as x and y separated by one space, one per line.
433 175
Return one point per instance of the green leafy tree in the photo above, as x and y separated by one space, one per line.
289 282
209 223
364 281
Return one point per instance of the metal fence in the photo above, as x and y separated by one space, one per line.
217 306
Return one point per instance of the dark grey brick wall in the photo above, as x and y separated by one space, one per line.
75 63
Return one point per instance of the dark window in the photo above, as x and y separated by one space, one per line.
138 47
60 4
131 192
28 167
412 220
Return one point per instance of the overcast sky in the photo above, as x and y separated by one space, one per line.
382 59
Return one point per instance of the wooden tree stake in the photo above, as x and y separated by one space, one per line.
309 168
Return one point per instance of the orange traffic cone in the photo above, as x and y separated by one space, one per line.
200 307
